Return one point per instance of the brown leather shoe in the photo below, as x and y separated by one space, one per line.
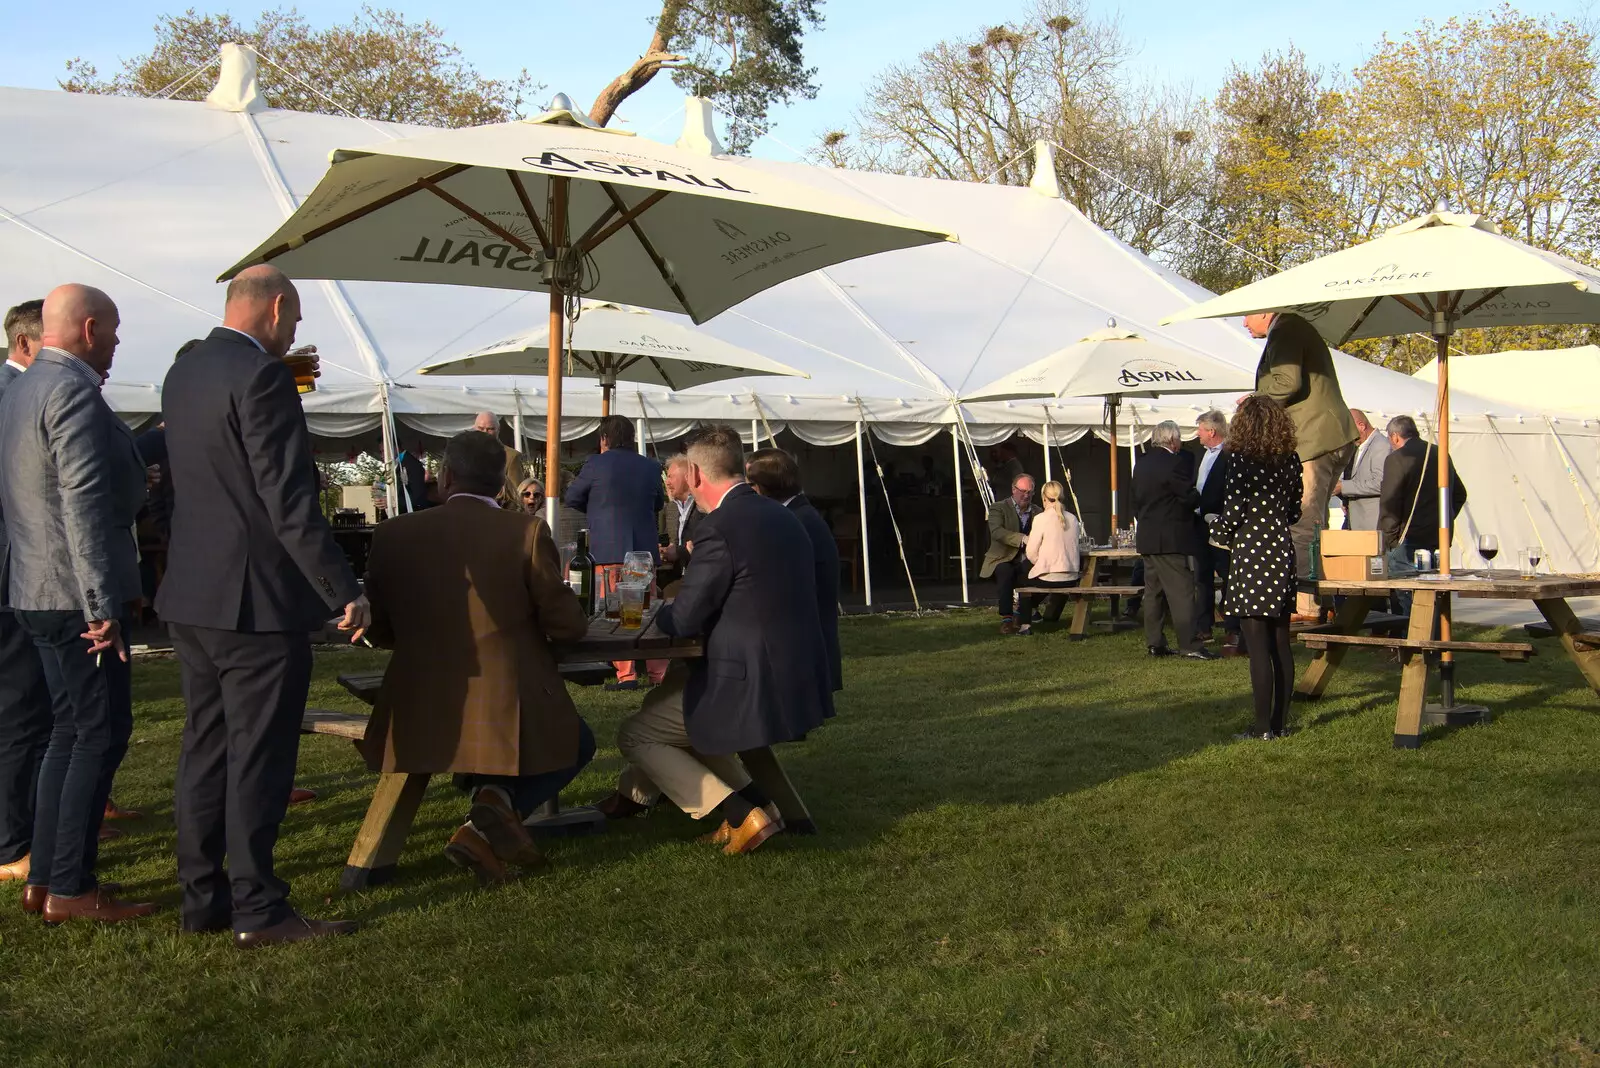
620 807
300 795
16 870
724 834
115 813
748 836
98 904
1009 626
33 898
471 851
494 818
296 928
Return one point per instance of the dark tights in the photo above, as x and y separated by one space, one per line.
1271 669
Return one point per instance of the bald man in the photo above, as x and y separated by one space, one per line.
489 423
70 491
253 571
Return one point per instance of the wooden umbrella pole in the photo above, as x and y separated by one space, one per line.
1112 402
605 400
552 418
1447 667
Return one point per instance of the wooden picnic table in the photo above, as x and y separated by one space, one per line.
1096 562
1428 638
587 661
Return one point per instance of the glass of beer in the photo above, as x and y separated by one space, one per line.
632 596
304 363
611 580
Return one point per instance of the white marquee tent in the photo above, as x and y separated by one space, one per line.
173 191
1558 382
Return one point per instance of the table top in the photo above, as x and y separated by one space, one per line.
607 640
1503 585
1108 553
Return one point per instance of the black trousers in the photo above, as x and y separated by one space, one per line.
24 735
1210 564
1007 577
1271 669
245 695
91 710
1169 584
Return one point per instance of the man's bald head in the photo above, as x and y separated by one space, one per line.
1363 424
81 320
263 303
487 422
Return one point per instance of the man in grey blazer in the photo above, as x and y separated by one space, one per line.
70 491
24 699
1363 479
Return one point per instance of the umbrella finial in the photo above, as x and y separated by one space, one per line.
561 102
1111 323
1441 207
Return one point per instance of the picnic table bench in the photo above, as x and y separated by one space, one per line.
586 662
1428 641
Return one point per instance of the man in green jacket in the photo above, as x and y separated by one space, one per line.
1010 519
1296 370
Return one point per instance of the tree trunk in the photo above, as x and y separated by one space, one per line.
638 75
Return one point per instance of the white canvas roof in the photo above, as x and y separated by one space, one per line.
1559 381
176 191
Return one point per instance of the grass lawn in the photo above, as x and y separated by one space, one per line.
1033 852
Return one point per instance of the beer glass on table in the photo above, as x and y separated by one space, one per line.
632 594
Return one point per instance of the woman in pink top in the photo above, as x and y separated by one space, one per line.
1052 549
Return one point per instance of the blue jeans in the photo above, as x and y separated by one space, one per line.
528 792
91 703
1401 564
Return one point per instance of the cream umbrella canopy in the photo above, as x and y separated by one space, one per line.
1440 273
1115 363
615 343
555 204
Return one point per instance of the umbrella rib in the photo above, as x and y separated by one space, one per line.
1418 312
662 371
478 217
1480 302
527 208
592 240
1359 320
344 220
650 250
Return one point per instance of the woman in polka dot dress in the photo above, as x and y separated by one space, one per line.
1261 502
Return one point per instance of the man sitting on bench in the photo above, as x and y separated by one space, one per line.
1009 522
470 596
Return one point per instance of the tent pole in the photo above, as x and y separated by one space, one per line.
552 416
866 557
391 469
516 419
961 512
755 436
1046 429
1111 406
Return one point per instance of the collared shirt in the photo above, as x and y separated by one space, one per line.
477 497
77 365
1362 451
250 339
18 366
1024 519
685 506
724 496
1207 462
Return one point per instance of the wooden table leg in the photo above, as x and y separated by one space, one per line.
1352 613
769 776
1559 615
1080 611
383 832
1414 676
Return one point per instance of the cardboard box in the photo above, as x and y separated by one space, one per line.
1361 543
1355 568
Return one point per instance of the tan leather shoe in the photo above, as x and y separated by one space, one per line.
471 851
296 928
748 836
16 870
33 898
494 818
299 795
99 904
724 834
115 813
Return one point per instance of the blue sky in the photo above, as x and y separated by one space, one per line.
578 45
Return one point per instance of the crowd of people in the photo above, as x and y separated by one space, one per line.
1230 531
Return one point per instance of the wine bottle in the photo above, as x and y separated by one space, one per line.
580 574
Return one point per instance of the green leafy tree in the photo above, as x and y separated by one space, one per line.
377 66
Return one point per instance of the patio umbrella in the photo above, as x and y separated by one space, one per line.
1115 363
614 344
1441 272
558 205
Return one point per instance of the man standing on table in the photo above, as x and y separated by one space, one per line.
764 677
24 697
1296 370
1164 499
621 493
254 570
72 487
1010 519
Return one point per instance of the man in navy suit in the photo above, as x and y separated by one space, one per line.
620 492
765 676
1212 563
24 698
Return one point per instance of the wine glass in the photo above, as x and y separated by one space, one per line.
1488 547
1535 554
